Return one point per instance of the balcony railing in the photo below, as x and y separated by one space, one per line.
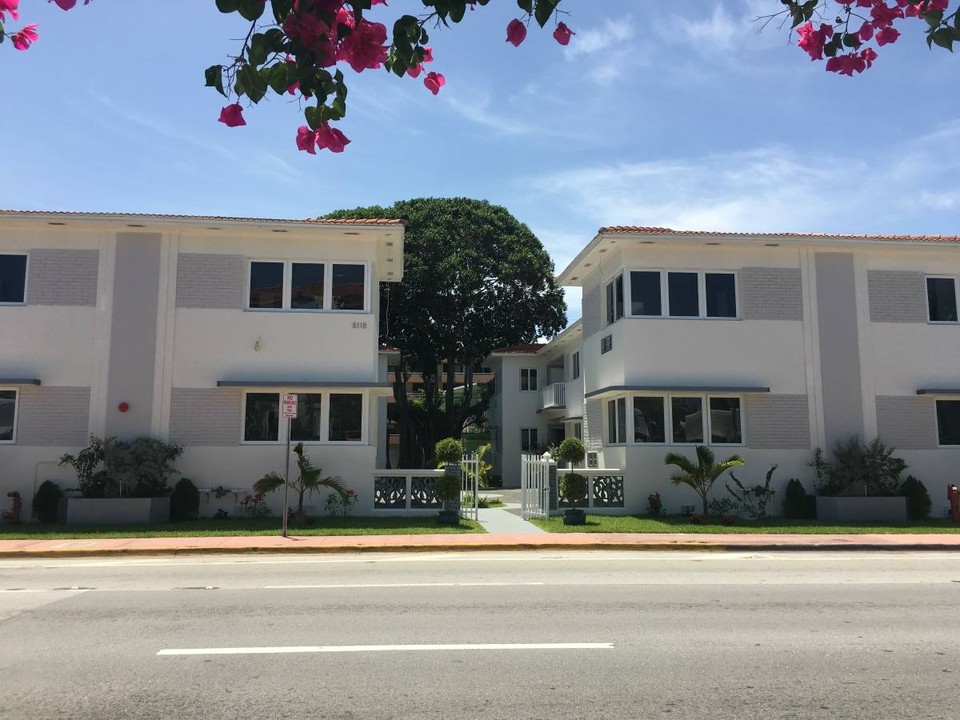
553 396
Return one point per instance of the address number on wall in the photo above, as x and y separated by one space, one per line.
361 325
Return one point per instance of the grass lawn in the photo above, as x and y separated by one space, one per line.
245 526
677 524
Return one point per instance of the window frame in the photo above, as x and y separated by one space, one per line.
325 407
531 432
613 421
287 291
936 419
956 301
665 293
16 413
26 278
614 298
667 399
531 374
575 365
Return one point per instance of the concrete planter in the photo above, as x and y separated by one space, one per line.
113 511
862 509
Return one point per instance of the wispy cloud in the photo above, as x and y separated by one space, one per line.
612 32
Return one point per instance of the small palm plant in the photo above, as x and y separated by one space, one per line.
310 479
700 475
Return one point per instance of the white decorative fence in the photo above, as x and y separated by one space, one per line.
535 490
413 490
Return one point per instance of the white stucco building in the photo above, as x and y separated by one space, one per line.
764 345
189 329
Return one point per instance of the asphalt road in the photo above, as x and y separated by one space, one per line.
562 635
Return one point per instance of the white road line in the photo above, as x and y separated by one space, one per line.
381 648
400 585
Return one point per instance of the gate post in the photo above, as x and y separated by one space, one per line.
550 487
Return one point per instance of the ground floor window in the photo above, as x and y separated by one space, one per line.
675 419
948 422
8 415
529 440
321 417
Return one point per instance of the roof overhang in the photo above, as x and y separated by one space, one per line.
674 388
378 388
920 391
19 381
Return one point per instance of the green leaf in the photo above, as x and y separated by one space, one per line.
213 76
457 11
281 8
312 114
933 18
228 6
850 40
254 85
257 54
944 38
526 6
251 9
276 76
544 11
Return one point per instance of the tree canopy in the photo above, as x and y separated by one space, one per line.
475 279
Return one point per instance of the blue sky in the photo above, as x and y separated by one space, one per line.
684 117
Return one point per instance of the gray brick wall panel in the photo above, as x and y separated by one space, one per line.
777 422
205 416
63 277
907 422
593 425
210 281
897 296
53 416
771 294
591 312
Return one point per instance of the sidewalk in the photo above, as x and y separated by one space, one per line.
21 549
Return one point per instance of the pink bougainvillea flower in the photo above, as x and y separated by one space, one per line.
232 115
9 6
365 48
516 32
23 39
306 140
563 34
434 81
887 36
66 4
812 41
331 139
865 32
415 70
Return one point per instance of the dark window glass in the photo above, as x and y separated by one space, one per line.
622 420
687 419
648 426
683 294
948 422
606 344
260 421
576 365
721 295
306 425
346 416
306 290
266 285
348 290
13 278
8 413
942 299
645 293
619 299
725 420
529 440
612 422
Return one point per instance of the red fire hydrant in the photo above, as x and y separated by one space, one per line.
953 494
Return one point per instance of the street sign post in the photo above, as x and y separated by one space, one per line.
288 410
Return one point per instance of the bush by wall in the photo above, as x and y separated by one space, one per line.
918 499
184 501
45 502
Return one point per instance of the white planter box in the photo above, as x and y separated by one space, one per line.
113 511
862 509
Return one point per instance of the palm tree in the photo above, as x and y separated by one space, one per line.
702 475
310 479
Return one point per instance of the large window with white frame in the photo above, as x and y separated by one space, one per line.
529 440
13 279
683 294
8 415
287 285
676 419
942 299
528 379
321 417
948 422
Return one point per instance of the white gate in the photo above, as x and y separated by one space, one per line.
535 486
469 498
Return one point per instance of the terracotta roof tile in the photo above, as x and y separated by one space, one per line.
522 349
206 218
637 229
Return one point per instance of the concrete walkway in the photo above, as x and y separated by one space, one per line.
458 543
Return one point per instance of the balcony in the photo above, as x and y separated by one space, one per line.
553 396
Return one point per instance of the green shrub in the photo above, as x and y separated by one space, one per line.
859 469
918 499
573 488
184 501
654 504
45 502
795 502
111 467
448 487
448 450
571 450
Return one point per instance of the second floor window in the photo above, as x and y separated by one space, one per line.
615 299
13 279
279 285
942 299
656 293
528 379
575 366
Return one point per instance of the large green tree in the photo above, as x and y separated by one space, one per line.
475 279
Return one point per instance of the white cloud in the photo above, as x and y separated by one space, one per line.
613 32
715 32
